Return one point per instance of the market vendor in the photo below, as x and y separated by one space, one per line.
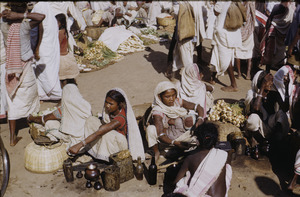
117 131
265 120
170 122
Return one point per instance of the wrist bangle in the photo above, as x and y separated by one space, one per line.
200 117
43 120
195 108
83 142
172 142
25 15
162 134
259 95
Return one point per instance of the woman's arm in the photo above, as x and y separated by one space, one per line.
199 110
103 129
162 136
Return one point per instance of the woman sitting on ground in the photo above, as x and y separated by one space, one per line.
117 131
193 89
206 172
170 121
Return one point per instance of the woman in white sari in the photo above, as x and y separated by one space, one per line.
169 122
117 131
193 89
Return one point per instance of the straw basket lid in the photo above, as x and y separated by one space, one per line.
45 159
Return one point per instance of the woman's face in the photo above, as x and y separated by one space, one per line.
168 97
111 106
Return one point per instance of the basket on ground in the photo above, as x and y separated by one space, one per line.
167 21
45 159
93 32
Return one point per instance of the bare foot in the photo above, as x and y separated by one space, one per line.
15 141
248 77
212 82
229 89
238 76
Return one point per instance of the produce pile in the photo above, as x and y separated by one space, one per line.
131 45
96 55
225 112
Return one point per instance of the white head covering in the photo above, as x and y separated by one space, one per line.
158 105
192 89
133 133
279 82
253 91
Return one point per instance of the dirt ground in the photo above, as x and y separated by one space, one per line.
138 74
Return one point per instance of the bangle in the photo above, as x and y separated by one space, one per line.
195 108
172 142
25 15
162 134
200 117
83 142
43 120
259 95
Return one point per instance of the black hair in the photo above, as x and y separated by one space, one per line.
116 96
161 94
63 22
19 7
261 78
207 135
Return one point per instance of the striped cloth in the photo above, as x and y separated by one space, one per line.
14 64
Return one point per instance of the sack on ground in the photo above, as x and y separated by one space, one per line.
235 17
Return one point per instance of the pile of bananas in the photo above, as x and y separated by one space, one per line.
225 112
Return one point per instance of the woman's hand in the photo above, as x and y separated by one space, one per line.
75 149
267 84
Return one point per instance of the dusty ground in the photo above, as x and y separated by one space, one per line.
138 75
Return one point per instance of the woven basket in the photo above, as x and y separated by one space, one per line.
167 21
44 159
93 32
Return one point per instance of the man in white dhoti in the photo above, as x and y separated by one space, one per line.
224 44
47 66
22 95
247 30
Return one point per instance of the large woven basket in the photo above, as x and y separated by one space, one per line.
45 159
93 32
167 21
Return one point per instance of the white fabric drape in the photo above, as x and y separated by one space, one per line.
48 66
133 133
158 105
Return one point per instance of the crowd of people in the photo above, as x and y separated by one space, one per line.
37 63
